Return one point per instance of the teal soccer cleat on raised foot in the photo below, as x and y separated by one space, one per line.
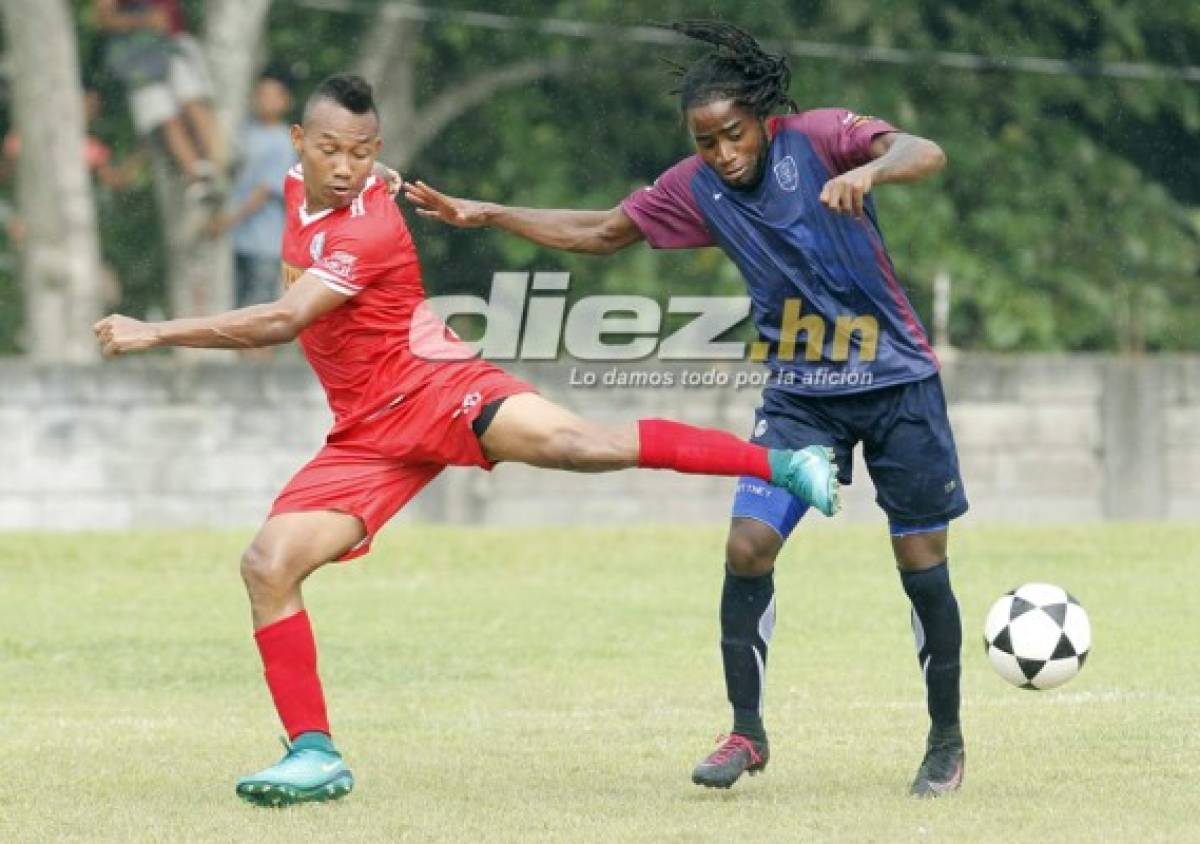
809 474
311 771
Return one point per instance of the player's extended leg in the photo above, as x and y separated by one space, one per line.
529 429
288 548
937 627
747 622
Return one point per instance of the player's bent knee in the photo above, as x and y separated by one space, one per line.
750 553
915 552
266 570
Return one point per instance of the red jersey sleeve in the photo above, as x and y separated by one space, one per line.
667 213
840 137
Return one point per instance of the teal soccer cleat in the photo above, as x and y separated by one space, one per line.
311 771
809 474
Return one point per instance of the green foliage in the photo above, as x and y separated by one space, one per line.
1062 218
1065 218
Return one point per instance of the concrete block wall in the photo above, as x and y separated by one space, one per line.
150 443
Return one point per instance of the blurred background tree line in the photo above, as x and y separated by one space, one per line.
1068 217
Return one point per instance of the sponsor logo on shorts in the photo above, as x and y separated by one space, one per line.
760 428
468 402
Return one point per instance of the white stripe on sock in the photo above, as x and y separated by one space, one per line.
762 680
918 631
766 623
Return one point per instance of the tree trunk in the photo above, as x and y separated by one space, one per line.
200 269
60 263
233 35
386 60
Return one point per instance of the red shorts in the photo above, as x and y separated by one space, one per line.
378 465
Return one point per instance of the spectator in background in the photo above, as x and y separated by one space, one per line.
97 155
109 177
256 214
163 70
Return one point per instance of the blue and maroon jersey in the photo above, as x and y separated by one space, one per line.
825 278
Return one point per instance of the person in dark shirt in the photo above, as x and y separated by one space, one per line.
788 199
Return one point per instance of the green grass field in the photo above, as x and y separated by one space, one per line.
558 685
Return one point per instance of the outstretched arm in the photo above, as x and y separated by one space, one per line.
245 328
895 157
591 232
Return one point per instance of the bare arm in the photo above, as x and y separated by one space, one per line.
589 232
895 157
899 157
244 328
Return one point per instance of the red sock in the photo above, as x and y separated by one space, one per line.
664 444
289 656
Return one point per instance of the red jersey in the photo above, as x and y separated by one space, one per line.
360 350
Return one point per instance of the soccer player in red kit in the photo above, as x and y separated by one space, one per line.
352 290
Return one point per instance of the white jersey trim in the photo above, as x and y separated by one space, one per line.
359 206
334 283
307 219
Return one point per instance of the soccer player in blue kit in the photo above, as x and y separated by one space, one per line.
787 198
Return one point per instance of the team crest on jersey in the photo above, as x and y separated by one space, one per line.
340 264
788 174
317 246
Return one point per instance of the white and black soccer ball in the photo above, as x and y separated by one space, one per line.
1037 636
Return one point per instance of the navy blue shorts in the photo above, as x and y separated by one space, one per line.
907 445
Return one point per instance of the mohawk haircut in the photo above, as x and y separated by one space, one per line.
737 69
351 92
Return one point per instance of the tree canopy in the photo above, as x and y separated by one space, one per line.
1067 216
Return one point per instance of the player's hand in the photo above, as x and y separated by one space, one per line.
847 193
119 335
464 213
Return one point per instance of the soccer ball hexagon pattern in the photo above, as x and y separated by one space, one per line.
1037 636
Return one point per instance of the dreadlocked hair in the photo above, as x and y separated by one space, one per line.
738 69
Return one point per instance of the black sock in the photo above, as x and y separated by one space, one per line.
938 631
747 622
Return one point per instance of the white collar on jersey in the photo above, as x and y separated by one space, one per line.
357 209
